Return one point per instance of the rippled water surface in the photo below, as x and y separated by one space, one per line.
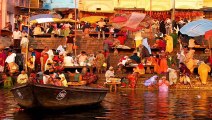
124 105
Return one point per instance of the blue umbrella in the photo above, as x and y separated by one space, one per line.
197 28
42 18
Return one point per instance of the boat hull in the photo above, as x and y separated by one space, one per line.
61 97
24 96
53 97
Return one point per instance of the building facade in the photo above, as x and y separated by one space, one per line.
7 12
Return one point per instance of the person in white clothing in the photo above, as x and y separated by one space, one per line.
37 30
22 78
16 38
68 60
63 79
45 77
11 57
109 73
10 60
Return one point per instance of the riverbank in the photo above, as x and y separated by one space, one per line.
195 84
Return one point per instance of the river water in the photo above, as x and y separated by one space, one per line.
123 105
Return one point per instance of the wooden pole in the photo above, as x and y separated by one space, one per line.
173 10
75 26
27 46
151 20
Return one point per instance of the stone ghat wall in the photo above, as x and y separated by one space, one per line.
52 42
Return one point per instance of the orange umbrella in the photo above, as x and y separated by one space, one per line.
92 19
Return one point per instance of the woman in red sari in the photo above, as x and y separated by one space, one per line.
132 79
2 60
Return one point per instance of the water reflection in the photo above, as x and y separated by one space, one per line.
123 105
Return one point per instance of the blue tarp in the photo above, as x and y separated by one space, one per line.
51 4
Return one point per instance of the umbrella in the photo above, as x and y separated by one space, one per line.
118 22
135 21
208 36
65 20
196 28
92 19
42 18
118 25
118 19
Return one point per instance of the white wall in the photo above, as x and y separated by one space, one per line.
188 4
7 12
4 12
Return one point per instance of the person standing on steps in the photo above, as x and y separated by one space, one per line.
16 38
101 26
69 43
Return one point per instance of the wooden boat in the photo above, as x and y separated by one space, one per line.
23 95
54 97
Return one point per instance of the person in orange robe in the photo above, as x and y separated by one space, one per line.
150 60
157 65
163 63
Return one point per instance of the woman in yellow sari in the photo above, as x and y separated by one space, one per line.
203 70
169 43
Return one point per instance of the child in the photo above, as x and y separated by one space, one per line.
7 80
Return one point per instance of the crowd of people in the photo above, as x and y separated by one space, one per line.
47 67
174 60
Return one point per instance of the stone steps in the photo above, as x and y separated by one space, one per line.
40 43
